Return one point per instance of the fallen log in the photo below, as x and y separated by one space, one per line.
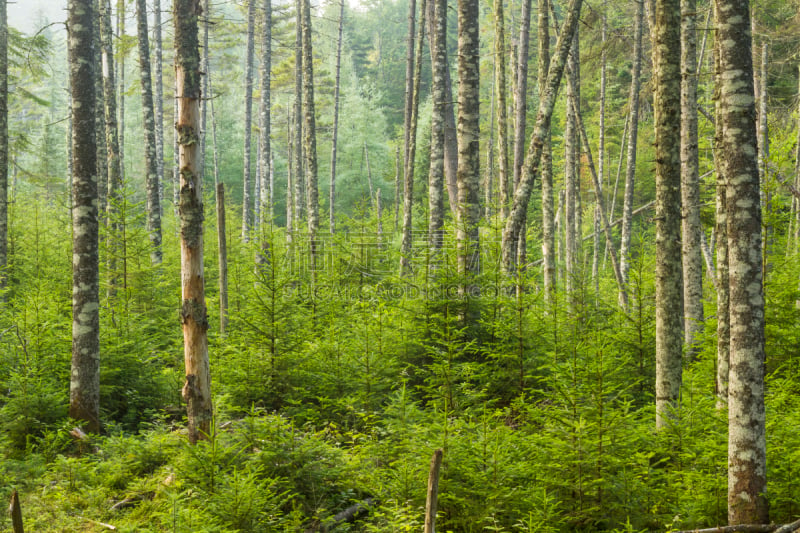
749 528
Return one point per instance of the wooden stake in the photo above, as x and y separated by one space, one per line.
16 513
433 489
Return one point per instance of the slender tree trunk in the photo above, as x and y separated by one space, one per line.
158 98
548 211
265 148
633 134
14 508
521 87
469 213
248 119
114 182
290 179
396 188
571 167
436 175
690 184
796 202
121 65
409 89
747 502
176 178
204 102
433 492
84 390
310 135
299 204
763 155
197 389
721 232
488 189
151 158
669 282
405 247
516 218
99 117
601 155
504 176
3 145
219 196
332 200
450 141
369 175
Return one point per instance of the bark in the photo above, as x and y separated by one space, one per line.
299 207
504 176
151 158
433 491
530 168
290 179
571 167
747 503
690 184
548 235
669 279
721 232
121 4
467 236
248 119
409 89
114 181
411 138
763 155
601 155
633 134
3 144
332 200
219 198
450 141
99 116
265 148
310 135
488 188
197 389
436 175
84 390
521 86
158 98
369 175
205 101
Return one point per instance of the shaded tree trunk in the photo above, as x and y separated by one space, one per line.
121 65
99 116
504 176
601 155
548 210
248 119
669 285
332 200
436 175
84 389
310 135
158 100
572 167
521 86
747 503
114 181
299 204
151 160
516 218
396 188
633 135
265 148
197 389
690 183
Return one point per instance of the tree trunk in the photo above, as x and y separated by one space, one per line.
409 89
158 100
205 101
299 204
436 175
121 4
433 491
521 87
548 210
633 135
396 188
469 213
369 175
197 389
114 182
669 279
310 136
84 390
601 155
151 159
99 116
690 184
14 508
3 145
265 148
747 502
514 224
332 200
572 167
504 176
248 119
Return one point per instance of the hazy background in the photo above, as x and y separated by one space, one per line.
29 16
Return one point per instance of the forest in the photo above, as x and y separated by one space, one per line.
401 266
